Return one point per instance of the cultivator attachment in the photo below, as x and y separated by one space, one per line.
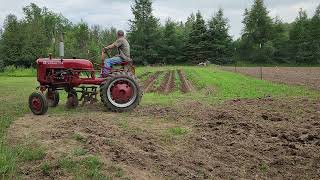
89 95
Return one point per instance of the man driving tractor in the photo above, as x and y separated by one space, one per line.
123 47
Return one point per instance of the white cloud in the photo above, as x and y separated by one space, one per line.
116 13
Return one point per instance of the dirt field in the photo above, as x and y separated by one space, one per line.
249 139
305 76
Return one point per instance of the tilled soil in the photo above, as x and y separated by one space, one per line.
186 85
150 81
305 76
249 139
168 83
143 75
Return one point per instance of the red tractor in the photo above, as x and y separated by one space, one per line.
119 90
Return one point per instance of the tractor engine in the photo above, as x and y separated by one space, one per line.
59 75
56 71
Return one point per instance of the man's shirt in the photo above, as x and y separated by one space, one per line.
123 47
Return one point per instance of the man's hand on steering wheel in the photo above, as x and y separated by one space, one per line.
105 51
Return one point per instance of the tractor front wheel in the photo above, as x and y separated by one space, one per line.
38 103
121 92
52 98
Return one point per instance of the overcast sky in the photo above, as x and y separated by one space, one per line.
116 13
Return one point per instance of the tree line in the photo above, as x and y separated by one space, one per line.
264 39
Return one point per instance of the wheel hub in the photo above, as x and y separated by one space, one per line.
36 104
122 92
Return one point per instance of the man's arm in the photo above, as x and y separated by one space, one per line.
112 46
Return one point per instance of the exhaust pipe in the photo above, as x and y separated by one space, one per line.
61 47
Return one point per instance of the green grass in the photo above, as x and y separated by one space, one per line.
31 153
79 151
11 156
230 85
79 137
177 131
227 86
89 167
45 169
264 167
177 80
12 71
8 160
169 135
14 95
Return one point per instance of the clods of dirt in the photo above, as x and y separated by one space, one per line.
242 139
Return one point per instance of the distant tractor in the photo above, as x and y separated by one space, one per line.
119 90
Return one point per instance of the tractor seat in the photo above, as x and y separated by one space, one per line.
124 63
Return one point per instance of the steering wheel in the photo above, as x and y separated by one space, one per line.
103 55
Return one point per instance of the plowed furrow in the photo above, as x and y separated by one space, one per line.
150 81
167 84
142 76
186 86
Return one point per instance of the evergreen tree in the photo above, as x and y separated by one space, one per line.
280 41
35 41
1 59
301 49
189 23
219 42
263 40
11 42
315 36
171 50
257 34
196 46
144 33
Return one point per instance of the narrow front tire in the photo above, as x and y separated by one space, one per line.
38 103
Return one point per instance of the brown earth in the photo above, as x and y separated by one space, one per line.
168 83
148 84
239 139
186 85
305 76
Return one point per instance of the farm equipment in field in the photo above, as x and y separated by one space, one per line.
119 90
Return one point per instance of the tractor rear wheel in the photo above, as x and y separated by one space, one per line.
38 103
121 92
52 98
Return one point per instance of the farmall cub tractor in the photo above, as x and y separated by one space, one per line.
119 90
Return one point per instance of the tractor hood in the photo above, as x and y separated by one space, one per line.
77 64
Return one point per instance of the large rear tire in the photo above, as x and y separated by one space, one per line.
121 92
38 103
